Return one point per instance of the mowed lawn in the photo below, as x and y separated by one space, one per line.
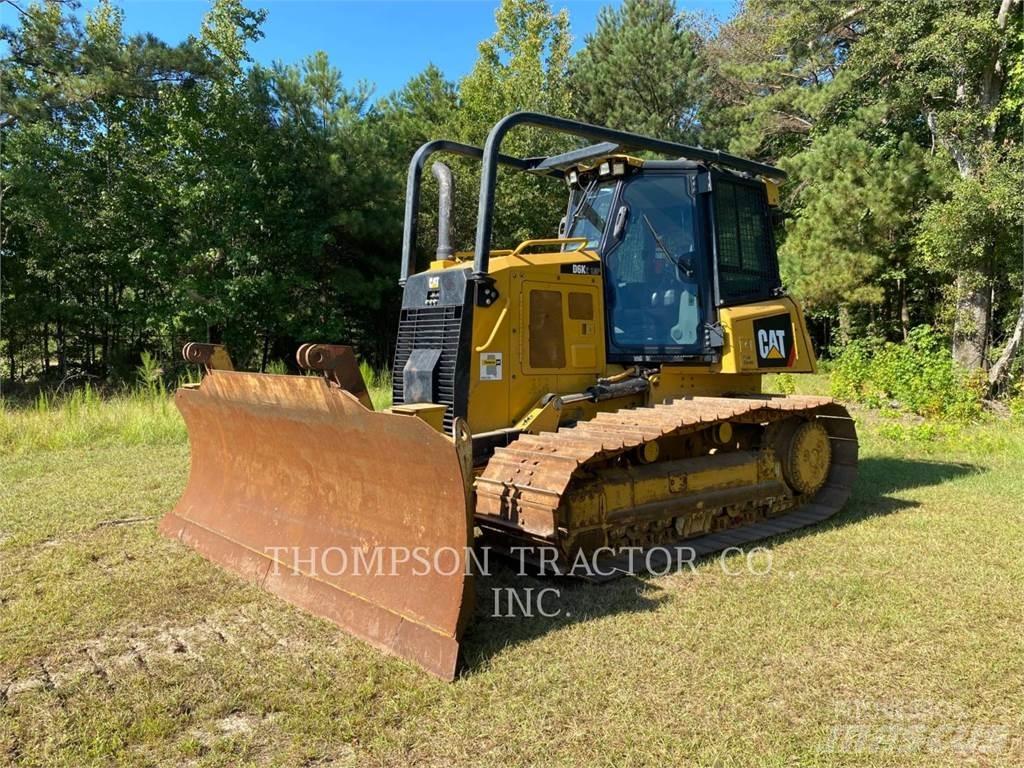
892 636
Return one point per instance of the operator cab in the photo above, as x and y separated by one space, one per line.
677 240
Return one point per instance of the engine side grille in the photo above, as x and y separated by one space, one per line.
431 328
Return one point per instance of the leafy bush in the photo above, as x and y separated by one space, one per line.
1016 405
918 375
785 384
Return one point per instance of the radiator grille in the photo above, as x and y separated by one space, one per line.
430 328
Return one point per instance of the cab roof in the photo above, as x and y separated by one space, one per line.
590 157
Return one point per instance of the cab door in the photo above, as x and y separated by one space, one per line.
655 271
560 338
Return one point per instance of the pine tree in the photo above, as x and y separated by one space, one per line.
854 206
640 71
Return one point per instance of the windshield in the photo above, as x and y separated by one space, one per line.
653 274
588 212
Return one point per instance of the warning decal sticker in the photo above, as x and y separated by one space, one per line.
490 366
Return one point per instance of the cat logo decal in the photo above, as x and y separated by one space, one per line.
773 338
771 345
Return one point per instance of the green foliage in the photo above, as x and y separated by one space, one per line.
776 73
205 197
900 124
524 65
1011 106
640 70
856 204
278 367
1016 405
917 376
943 61
785 384
144 415
979 218
378 382
924 432
149 373
155 194
214 198
368 373
943 65
83 419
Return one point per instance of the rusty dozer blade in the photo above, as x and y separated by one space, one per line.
357 516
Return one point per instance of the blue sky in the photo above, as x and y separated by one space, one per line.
383 42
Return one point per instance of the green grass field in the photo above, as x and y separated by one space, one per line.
891 636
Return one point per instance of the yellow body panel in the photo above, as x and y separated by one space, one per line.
546 335
504 329
739 354
699 381
431 413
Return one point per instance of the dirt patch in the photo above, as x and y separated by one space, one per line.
240 725
237 724
110 657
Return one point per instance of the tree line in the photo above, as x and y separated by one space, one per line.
155 193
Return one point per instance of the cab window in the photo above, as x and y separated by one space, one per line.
652 269
588 212
747 266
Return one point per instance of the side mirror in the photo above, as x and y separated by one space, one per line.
620 221
561 227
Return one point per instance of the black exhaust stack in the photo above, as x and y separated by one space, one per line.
443 174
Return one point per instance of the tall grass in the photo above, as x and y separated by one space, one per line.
82 418
379 384
143 416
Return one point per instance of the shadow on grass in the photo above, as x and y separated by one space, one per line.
504 597
501 622
878 477
887 474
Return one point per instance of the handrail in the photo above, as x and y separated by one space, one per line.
492 147
494 331
581 241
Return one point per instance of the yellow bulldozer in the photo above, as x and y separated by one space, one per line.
590 395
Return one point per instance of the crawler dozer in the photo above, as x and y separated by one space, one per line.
590 394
